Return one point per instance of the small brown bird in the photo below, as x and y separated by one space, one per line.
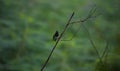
56 35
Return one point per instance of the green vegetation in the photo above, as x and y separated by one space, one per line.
27 28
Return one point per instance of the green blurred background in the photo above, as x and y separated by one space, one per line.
27 27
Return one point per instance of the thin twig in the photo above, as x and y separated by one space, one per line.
90 15
57 41
74 34
105 51
92 11
93 44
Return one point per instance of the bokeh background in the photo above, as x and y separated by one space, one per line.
27 27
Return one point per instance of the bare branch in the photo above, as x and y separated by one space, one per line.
90 15
92 11
57 41
106 50
93 44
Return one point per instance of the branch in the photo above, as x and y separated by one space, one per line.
93 45
57 41
90 15
105 52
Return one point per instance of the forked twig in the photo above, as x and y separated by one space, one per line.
92 11
90 15
57 41
106 49
93 44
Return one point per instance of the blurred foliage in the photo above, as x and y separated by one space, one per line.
27 26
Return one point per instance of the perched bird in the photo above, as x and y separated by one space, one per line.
56 35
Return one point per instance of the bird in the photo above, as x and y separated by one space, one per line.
56 35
